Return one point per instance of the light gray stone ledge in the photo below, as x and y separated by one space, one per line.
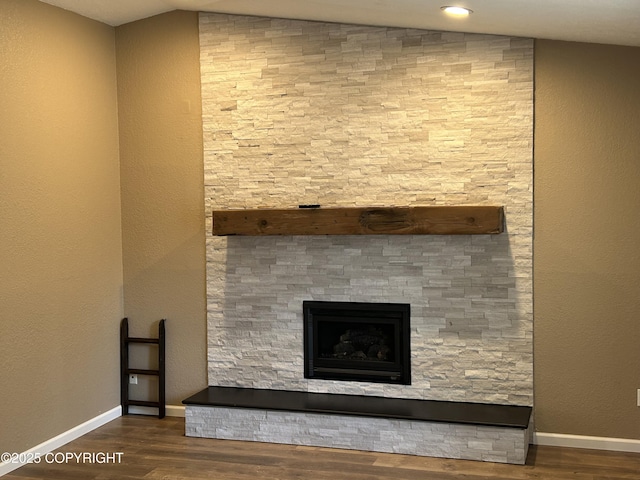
428 439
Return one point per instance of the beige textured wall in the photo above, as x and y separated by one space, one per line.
162 191
586 249
60 239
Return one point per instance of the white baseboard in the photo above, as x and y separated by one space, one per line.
64 438
581 441
170 410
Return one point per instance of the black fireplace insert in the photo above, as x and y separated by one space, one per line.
355 341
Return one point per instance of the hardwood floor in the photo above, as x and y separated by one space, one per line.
156 449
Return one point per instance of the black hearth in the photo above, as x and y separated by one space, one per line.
354 341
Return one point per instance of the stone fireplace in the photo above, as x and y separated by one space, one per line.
299 112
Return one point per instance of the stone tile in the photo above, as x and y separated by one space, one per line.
309 112
470 442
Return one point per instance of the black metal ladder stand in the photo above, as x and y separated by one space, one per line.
125 371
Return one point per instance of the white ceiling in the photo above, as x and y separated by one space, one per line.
596 21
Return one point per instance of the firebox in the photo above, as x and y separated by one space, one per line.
355 341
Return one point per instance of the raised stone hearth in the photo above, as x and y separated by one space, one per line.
496 433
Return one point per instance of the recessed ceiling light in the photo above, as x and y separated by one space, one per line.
456 11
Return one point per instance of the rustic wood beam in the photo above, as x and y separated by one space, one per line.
429 220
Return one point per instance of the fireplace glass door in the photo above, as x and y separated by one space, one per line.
354 341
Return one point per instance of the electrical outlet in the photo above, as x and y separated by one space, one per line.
639 397
133 379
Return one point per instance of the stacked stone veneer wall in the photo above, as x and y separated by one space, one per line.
300 112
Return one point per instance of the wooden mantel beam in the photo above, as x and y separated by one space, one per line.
429 220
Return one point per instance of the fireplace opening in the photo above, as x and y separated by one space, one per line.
355 341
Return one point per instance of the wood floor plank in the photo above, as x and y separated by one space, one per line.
154 449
